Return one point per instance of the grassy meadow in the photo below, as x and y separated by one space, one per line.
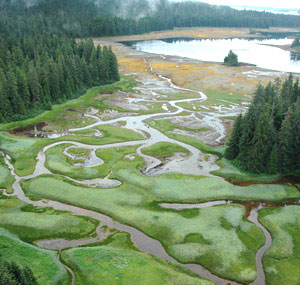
116 261
282 260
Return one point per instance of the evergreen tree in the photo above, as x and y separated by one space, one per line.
285 144
41 64
273 163
269 140
296 43
262 143
14 97
248 129
12 274
234 143
295 136
278 113
231 59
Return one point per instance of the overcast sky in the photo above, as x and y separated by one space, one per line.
255 3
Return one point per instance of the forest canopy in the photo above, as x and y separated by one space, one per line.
41 63
87 18
12 274
40 66
267 138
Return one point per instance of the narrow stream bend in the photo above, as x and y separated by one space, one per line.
67 268
252 216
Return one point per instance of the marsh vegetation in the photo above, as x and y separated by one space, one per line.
129 183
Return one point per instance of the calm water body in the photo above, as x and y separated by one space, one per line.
253 51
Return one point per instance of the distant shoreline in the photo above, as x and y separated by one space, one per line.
284 47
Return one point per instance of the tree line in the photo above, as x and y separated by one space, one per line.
12 274
267 138
93 18
40 67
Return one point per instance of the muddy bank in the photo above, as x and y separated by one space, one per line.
249 205
60 244
29 130
67 268
293 180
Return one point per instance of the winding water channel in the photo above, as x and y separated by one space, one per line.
189 165
140 240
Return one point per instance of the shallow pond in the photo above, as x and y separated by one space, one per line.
254 51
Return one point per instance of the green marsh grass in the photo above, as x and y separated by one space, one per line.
164 150
282 260
136 205
43 263
117 262
31 223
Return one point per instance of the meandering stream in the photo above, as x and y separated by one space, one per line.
143 242
140 240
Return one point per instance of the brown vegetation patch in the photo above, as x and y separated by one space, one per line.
28 130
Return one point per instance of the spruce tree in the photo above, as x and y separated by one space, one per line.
16 101
273 162
245 143
13 274
295 136
262 143
270 131
278 112
233 148
285 144
5 105
231 59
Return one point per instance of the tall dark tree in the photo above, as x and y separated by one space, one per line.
231 59
262 143
269 140
12 274
246 140
40 64
285 144
295 136
234 143
296 43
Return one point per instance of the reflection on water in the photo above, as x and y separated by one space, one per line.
254 51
